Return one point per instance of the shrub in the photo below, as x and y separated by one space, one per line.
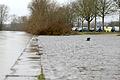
48 19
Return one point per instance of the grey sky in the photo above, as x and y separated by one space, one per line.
19 7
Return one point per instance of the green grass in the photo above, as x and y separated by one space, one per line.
41 76
94 33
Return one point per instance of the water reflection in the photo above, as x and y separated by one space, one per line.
11 46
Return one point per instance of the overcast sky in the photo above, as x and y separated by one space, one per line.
19 7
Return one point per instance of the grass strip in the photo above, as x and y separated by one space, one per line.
41 76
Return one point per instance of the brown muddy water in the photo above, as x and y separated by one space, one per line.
11 46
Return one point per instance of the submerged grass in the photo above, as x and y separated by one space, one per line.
41 76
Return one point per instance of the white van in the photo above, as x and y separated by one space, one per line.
116 28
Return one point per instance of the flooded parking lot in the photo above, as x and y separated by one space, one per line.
74 58
11 46
64 57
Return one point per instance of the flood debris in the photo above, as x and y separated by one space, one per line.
88 39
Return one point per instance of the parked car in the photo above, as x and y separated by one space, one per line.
74 28
116 28
107 29
92 29
79 29
99 29
113 29
84 30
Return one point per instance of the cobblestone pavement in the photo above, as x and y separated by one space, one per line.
74 58
28 65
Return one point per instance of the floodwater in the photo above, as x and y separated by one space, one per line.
74 58
11 46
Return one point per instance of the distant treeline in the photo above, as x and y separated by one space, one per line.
15 27
22 27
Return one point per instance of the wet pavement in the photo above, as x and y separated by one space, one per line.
74 58
28 65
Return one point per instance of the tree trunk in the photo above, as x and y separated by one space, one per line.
88 25
95 15
119 20
78 23
82 25
95 23
103 22
1 26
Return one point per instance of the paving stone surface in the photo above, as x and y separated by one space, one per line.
28 65
74 58
22 78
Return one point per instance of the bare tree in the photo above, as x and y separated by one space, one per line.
95 13
86 10
18 23
14 21
118 6
3 14
79 9
70 13
105 7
